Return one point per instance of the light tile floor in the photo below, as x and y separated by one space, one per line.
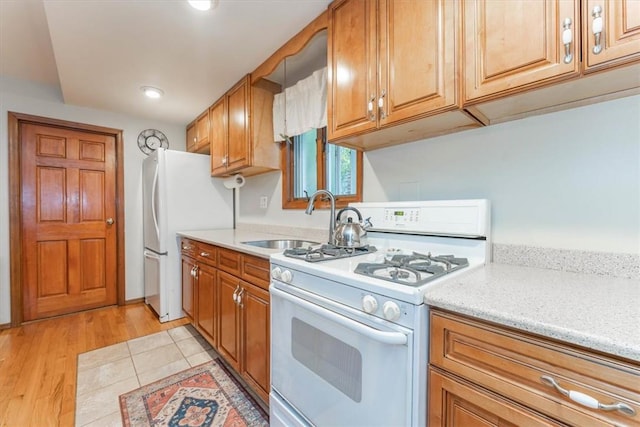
106 373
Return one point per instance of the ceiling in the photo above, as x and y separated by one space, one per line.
100 52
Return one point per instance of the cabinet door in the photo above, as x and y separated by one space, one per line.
459 403
238 146
229 319
514 45
418 57
205 318
191 137
352 63
217 116
619 40
202 129
255 338
188 284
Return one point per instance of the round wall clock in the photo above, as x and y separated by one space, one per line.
150 140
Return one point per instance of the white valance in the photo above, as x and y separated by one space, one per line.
306 104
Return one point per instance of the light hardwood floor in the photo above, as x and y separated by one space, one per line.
38 360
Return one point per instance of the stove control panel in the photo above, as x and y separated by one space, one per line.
401 216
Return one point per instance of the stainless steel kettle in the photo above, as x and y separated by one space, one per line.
349 234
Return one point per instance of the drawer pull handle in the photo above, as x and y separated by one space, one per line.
586 400
204 254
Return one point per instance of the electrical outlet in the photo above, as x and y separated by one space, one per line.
263 202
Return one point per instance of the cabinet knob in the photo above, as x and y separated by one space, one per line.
110 221
567 39
596 27
204 254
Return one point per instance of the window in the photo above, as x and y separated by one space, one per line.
310 163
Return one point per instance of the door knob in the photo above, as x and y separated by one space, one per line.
110 221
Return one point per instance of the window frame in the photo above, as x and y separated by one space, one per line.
286 165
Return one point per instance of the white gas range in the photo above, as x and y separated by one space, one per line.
349 339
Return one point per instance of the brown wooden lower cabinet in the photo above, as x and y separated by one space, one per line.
188 286
206 291
256 338
231 314
457 403
485 374
229 317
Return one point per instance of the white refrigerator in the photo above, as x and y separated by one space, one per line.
179 194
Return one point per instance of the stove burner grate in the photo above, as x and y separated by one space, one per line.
412 270
327 252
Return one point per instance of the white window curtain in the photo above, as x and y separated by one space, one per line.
306 104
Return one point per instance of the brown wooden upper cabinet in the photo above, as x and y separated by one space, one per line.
192 136
611 33
513 45
242 135
392 62
198 134
523 58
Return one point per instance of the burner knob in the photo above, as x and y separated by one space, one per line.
391 311
286 276
276 272
369 304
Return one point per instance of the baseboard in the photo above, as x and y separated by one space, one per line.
134 301
5 326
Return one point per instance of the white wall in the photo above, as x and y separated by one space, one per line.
568 180
45 101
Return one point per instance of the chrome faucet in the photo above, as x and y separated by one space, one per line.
332 218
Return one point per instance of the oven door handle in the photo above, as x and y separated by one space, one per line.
392 338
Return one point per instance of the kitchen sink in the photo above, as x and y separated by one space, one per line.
280 243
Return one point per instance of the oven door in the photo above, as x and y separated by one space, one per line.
337 366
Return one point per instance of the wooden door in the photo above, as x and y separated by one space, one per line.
418 57
256 338
188 286
514 45
218 143
68 204
239 147
205 316
352 68
620 36
229 319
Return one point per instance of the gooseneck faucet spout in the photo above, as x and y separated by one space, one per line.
332 218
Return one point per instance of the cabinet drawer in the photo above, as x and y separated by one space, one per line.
256 270
229 261
454 402
511 364
188 247
207 253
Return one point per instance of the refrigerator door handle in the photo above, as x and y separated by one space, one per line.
151 255
154 187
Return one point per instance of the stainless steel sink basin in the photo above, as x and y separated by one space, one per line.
280 243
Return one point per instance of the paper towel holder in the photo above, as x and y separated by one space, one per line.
233 182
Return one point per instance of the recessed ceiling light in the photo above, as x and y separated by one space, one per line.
201 4
152 92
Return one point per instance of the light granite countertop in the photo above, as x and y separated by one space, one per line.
594 311
233 239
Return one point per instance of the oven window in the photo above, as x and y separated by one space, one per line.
334 361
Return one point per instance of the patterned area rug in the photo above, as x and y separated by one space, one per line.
206 395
